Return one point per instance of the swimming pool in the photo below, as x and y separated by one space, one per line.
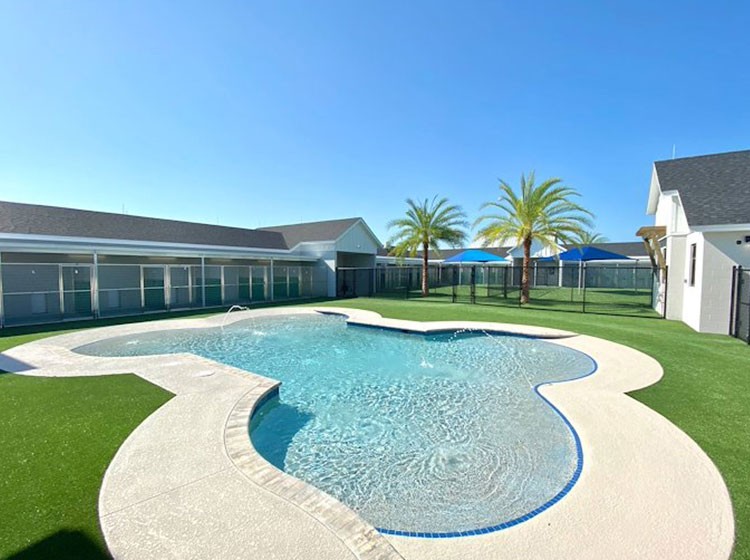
436 435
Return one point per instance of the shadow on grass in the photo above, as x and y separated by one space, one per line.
63 545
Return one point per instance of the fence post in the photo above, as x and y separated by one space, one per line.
666 290
505 281
2 306
473 285
584 286
453 284
740 285
733 303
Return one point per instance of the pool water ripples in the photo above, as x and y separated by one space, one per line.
417 433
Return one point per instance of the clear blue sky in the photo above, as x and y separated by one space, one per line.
253 114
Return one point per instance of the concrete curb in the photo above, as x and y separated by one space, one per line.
187 483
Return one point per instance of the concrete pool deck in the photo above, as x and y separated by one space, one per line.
187 482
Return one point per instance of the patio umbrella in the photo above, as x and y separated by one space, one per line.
585 254
475 256
582 255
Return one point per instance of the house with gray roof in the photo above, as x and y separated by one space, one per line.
701 232
59 264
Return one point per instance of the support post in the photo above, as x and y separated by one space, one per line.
666 291
168 287
95 286
2 297
473 285
737 296
203 281
584 284
453 284
61 289
270 282
143 293
223 284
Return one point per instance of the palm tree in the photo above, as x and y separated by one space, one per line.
589 238
426 224
545 213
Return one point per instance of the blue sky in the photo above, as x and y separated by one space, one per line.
253 114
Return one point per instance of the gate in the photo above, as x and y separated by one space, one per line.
739 322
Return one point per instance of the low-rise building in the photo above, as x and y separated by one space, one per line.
701 232
60 263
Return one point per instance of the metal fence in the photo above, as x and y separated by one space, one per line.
739 322
630 289
49 288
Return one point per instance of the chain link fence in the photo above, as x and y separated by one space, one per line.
45 288
624 289
739 324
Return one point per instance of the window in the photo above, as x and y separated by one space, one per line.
693 251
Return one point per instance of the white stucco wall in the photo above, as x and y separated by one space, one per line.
721 253
669 213
675 275
705 306
326 251
692 298
359 245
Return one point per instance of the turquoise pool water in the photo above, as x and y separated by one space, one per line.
440 434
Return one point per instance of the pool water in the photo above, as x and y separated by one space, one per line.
441 434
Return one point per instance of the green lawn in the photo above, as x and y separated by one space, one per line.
636 303
58 435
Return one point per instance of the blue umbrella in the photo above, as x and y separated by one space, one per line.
474 256
585 254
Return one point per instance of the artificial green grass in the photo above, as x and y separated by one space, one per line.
57 436
636 303
704 390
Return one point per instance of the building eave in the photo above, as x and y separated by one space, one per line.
56 244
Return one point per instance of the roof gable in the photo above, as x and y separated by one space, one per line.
714 189
329 230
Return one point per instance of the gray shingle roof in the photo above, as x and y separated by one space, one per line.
329 230
68 222
714 189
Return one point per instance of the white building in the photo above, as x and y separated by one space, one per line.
701 209
60 264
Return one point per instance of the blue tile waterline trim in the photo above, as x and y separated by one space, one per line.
533 513
576 438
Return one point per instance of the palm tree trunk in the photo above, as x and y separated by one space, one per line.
425 270
525 270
